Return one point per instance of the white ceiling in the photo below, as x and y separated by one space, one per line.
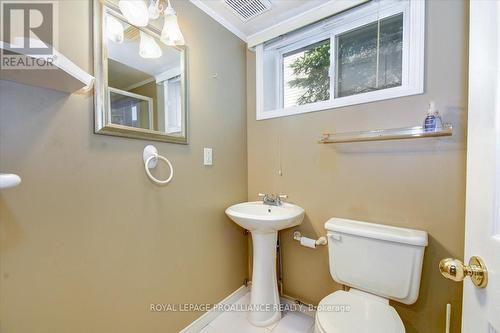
280 11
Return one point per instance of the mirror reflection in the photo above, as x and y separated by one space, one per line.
145 82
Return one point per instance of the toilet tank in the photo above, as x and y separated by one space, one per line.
379 259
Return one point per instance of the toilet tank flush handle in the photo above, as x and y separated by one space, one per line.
333 236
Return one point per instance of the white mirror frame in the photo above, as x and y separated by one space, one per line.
102 121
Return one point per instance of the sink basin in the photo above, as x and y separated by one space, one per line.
264 221
255 216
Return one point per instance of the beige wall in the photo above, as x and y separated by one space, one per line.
417 183
150 90
87 241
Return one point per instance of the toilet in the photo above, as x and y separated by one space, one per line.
378 263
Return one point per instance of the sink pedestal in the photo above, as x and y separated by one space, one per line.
264 221
264 296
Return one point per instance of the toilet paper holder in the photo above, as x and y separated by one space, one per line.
297 235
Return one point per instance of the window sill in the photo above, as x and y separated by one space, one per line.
340 102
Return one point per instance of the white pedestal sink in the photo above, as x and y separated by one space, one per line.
264 221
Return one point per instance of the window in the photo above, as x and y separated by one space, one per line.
370 53
370 57
306 76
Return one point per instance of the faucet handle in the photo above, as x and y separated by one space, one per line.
262 195
281 198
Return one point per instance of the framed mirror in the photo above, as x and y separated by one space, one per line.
140 89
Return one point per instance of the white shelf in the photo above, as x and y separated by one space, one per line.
65 76
386 134
9 180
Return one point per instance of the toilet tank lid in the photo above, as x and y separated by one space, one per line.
377 231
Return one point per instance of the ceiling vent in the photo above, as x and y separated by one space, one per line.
248 9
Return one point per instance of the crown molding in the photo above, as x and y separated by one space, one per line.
213 14
298 21
307 17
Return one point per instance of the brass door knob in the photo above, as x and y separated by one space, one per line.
455 270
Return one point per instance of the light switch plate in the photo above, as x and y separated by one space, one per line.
207 156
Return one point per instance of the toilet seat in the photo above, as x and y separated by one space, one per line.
356 311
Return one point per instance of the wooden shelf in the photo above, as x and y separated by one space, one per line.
63 76
386 134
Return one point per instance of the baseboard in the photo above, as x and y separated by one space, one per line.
209 316
305 308
205 319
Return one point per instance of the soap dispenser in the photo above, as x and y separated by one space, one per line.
430 121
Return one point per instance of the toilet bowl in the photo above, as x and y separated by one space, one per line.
378 263
355 312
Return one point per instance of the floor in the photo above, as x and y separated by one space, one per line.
236 322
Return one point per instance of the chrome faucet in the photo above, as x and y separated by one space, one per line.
273 199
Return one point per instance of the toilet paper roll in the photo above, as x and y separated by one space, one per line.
308 242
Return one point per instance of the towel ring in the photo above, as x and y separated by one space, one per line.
150 157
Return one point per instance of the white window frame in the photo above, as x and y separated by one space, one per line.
413 56
290 48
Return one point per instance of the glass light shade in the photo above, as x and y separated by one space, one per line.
135 11
154 9
148 47
171 33
114 29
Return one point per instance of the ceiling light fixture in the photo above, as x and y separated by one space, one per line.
148 48
154 9
171 33
135 11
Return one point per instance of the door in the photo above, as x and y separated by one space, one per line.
481 306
